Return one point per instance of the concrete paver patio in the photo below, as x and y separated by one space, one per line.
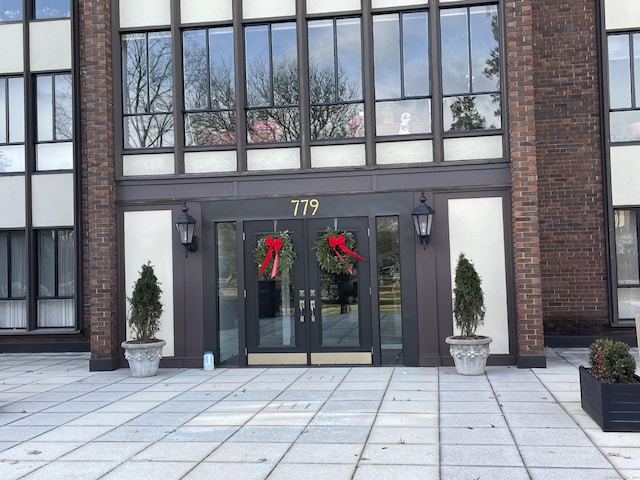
58 420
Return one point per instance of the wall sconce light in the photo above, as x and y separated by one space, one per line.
186 225
422 220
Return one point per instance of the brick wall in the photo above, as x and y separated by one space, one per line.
99 222
522 137
571 197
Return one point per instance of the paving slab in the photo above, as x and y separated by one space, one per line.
58 420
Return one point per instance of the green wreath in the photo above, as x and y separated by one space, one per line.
285 254
328 260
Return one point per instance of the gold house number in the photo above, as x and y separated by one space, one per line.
305 206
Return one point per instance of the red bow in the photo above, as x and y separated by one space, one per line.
338 242
274 247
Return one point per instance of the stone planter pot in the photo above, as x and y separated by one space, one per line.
615 407
469 354
143 358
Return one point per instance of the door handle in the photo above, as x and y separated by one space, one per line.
301 307
312 307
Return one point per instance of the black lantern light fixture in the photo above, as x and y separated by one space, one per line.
186 225
422 220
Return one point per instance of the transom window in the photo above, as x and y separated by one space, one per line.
624 86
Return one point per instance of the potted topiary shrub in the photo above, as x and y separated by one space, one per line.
144 350
469 350
609 388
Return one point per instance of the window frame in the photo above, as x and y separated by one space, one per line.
355 107
617 284
229 136
387 102
9 102
262 129
52 140
148 113
9 297
631 112
471 94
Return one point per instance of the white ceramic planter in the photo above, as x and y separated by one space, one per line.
143 358
469 355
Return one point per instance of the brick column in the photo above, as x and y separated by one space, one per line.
524 180
570 169
99 220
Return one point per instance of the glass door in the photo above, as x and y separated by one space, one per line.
300 313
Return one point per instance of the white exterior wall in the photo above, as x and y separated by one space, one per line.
476 229
147 238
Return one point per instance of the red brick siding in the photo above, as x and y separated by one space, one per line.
99 222
570 178
522 138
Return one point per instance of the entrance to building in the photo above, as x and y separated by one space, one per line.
305 315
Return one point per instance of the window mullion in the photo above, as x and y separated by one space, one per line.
336 63
632 73
148 65
271 70
469 59
53 107
207 49
56 256
401 50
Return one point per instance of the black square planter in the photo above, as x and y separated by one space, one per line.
613 406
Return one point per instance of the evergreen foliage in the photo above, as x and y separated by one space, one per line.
468 303
611 361
145 307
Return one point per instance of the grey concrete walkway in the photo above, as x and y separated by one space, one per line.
60 421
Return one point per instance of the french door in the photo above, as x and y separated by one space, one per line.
305 315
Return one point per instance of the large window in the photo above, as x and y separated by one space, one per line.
209 87
273 114
54 150
470 68
12 157
624 86
148 90
401 67
417 80
56 278
13 280
335 79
